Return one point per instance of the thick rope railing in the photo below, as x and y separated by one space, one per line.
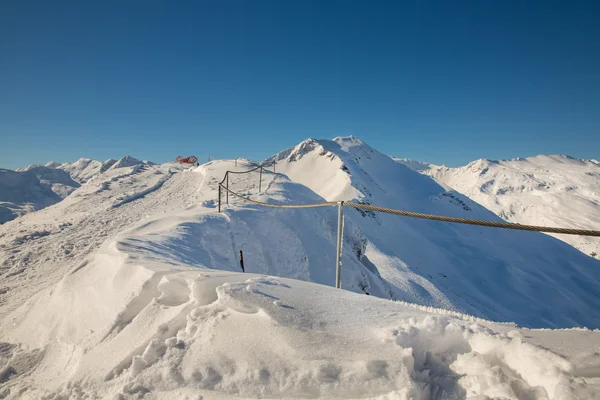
456 220
226 179
410 214
433 217
504 225
262 203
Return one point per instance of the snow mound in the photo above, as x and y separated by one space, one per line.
224 335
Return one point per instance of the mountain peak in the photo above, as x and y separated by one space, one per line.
52 164
126 161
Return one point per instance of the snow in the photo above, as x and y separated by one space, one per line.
523 277
62 179
83 169
552 190
126 161
22 192
131 288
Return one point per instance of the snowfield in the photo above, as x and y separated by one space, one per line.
131 288
552 190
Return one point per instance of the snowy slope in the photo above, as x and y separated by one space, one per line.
139 299
129 288
524 277
553 190
82 170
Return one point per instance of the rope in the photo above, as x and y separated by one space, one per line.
505 225
324 204
245 172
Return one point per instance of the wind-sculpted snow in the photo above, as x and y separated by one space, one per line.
211 334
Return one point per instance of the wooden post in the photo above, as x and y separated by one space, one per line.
242 261
260 181
227 185
274 166
219 197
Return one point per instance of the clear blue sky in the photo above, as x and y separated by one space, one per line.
439 81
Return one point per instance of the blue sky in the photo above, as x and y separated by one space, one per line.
444 82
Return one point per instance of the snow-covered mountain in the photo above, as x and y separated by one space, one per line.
130 288
482 271
20 193
552 190
32 189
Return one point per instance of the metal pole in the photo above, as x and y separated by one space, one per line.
338 253
260 181
219 197
227 183
274 166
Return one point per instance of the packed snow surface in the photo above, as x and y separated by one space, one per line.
551 190
130 288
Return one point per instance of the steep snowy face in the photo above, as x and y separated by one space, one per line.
346 168
554 190
497 274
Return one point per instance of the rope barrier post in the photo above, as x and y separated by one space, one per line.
260 181
227 183
338 252
219 197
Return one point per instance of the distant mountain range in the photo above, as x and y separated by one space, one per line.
552 190
38 186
